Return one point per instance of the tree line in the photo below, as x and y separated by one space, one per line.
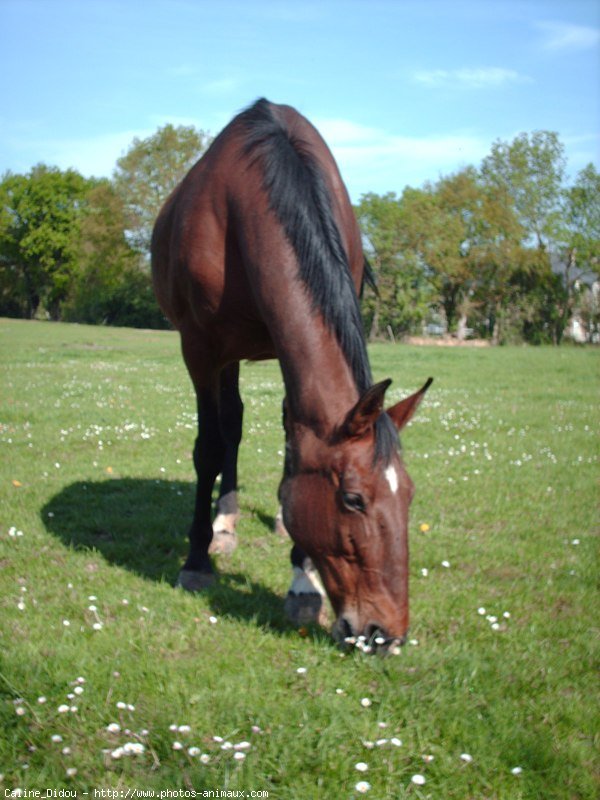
77 249
506 251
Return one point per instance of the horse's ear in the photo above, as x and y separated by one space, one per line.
364 414
402 412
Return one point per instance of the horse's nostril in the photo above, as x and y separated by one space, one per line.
381 642
374 634
346 628
343 632
373 638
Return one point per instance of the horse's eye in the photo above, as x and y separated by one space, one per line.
353 502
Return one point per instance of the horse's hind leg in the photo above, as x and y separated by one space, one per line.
197 572
231 411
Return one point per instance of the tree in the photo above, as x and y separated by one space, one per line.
112 287
107 263
450 235
424 247
403 295
148 173
530 171
524 179
439 231
582 216
38 223
497 255
582 219
580 239
535 298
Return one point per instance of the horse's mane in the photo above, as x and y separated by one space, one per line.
299 197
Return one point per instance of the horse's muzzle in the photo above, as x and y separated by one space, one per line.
372 639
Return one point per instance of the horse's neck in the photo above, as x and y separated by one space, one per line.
320 387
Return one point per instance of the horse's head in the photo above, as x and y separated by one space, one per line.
345 503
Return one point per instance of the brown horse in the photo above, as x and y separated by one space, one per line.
257 254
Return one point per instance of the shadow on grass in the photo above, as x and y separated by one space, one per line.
140 525
136 524
268 520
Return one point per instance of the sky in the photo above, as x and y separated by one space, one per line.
403 92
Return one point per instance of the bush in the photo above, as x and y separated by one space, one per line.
126 299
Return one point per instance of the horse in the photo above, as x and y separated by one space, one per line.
256 255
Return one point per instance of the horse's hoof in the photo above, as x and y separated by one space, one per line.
223 542
194 581
304 609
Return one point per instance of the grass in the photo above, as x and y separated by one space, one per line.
96 430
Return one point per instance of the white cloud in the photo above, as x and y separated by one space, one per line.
344 131
376 160
370 159
469 78
562 36
583 149
220 86
354 141
94 156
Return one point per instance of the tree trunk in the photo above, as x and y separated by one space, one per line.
461 330
497 329
374 331
450 305
449 312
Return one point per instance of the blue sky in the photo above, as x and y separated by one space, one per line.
403 92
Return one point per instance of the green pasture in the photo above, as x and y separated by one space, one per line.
111 678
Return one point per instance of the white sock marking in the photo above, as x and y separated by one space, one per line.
307 581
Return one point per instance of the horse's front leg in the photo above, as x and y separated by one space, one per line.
231 410
197 572
306 600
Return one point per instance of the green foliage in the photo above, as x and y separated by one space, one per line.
523 181
147 174
112 286
447 235
580 248
506 250
403 294
581 219
125 299
97 431
530 171
530 310
38 223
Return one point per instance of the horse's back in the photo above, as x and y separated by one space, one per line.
205 259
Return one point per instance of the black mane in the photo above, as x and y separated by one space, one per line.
299 197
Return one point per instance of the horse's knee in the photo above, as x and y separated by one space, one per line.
208 457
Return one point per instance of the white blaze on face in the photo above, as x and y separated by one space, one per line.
392 478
